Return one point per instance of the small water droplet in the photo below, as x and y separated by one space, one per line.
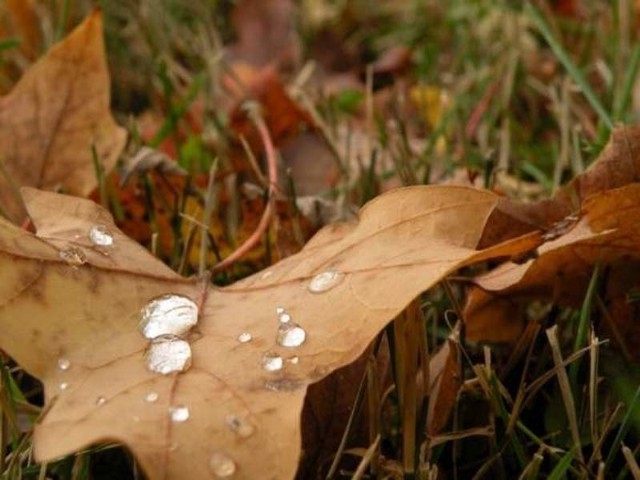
100 236
64 364
284 318
325 281
101 401
242 427
179 413
151 397
272 362
222 465
290 335
293 360
168 354
245 337
280 310
266 274
63 385
168 315
73 256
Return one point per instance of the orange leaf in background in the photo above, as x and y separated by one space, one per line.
53 118
224 392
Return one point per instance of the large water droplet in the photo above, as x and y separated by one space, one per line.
167 354
245 337
272 362
168 315
64 364
100 236
325 281
222 465
73 256
290 335
151 397
179 413
240 426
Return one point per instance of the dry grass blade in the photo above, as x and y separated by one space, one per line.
565 389
631 462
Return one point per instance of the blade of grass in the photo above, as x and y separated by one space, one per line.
623 99
532 470
583 327
624 428
631 462
560 470
568 64
565 390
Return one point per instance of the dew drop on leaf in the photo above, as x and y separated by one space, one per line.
168 315
63 386
325 281
64 364
151 397
290 335
168 354
240 426
280 310
284 317
101 401
272 362
294 360
179 413
222 465
100 236
245 337
73 256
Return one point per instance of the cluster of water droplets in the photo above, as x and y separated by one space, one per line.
163 321
100 239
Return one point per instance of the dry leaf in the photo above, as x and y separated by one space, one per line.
54 116
606 234
72 298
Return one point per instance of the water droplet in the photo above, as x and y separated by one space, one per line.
283 384
100 236
293 360
63 385
266 275
284 318
290 335
101 401
325 281
73 256
280 310
64 364
151 397
179 413
167 354
272 362
168 315
242 427
245 337
222 465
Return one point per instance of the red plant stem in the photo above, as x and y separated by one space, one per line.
272 168
480 109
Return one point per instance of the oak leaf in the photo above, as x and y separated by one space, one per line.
53 118
71 299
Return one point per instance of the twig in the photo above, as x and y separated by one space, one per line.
272 164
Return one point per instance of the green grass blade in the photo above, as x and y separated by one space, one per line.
560 470
568 64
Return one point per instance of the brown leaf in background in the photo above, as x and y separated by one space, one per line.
69 315
606 234
54 116
266 32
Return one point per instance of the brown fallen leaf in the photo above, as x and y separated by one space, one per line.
617 165
54 116
606 234
226 397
